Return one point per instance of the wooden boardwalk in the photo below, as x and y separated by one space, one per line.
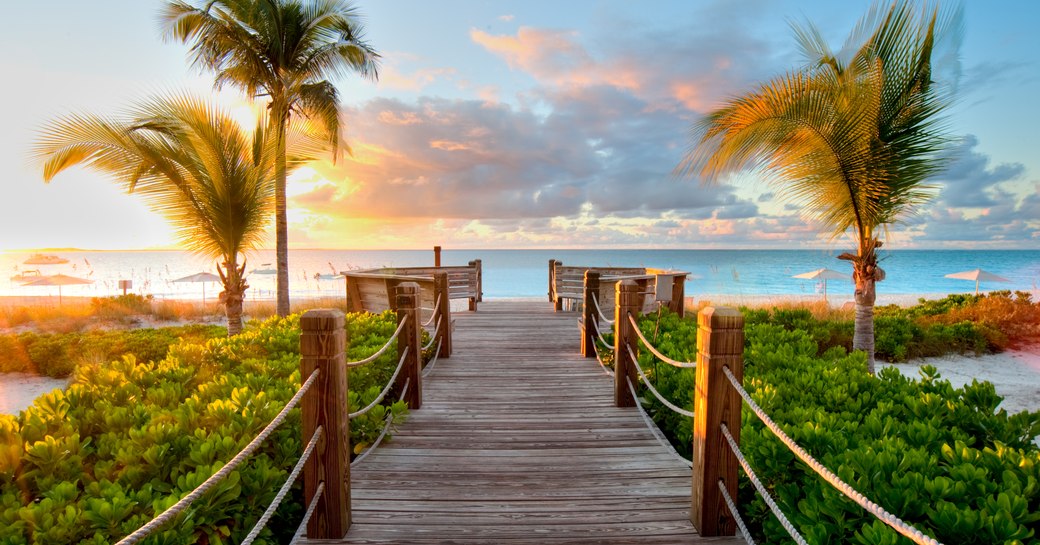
518 441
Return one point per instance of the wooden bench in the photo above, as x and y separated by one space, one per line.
568 283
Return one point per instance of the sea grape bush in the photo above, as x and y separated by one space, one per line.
130 437
58 354
959 323
942 458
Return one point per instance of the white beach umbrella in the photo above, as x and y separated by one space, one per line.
200 277
823 275
978 275
58 280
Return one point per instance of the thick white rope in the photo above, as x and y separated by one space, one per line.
893 521
661 398
231 465
660 356
436 356
433 336
436 306
372 358
307 516
736 514
386 427
390 384
606 369
654 430
260 524
595 302
791 530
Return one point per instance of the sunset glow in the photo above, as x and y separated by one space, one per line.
520 124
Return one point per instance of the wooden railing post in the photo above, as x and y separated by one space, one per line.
323 346
590 318
407 305
554 298
436 256
627 300
479 287
720 342
678 303
442 314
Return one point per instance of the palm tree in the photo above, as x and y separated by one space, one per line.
850 138
193 164
286 50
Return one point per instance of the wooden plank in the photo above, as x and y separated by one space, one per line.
518 442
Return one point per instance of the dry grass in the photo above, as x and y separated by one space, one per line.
82 313
819 308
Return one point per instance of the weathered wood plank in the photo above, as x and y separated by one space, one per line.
518 442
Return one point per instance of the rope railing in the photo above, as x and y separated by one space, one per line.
891 520
310 512
791 530
436 306
433 336
661 398
654 430
379 398
436 356
231 465
732 505
602 364
386 427
599 311
297 469
372 358
655 352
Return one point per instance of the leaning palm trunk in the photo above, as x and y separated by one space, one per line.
233 279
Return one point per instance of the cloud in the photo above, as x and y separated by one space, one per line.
970 181
506 18
687 67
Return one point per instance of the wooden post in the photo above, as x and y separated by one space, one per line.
407 304
720 342
323 346
552 280
627 300
437 256
480 280
477 288
353 295
442 313
553 284
678 303
589 315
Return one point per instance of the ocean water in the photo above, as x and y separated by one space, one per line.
524 273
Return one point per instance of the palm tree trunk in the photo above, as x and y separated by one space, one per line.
866 274
281 119
233 279
863 338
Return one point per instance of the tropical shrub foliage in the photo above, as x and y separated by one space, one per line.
939 457
130 437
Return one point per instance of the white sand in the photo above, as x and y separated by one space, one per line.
18 390
1015 374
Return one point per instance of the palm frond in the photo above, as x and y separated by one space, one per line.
189 161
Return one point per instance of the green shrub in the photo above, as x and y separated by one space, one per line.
939 457
129 437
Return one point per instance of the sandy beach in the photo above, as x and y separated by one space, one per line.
1015 374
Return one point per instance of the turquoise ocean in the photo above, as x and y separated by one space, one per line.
512 274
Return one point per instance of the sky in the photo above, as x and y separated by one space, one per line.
528 124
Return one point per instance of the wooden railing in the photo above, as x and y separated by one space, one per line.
323 346
372 290
720 342
569 283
